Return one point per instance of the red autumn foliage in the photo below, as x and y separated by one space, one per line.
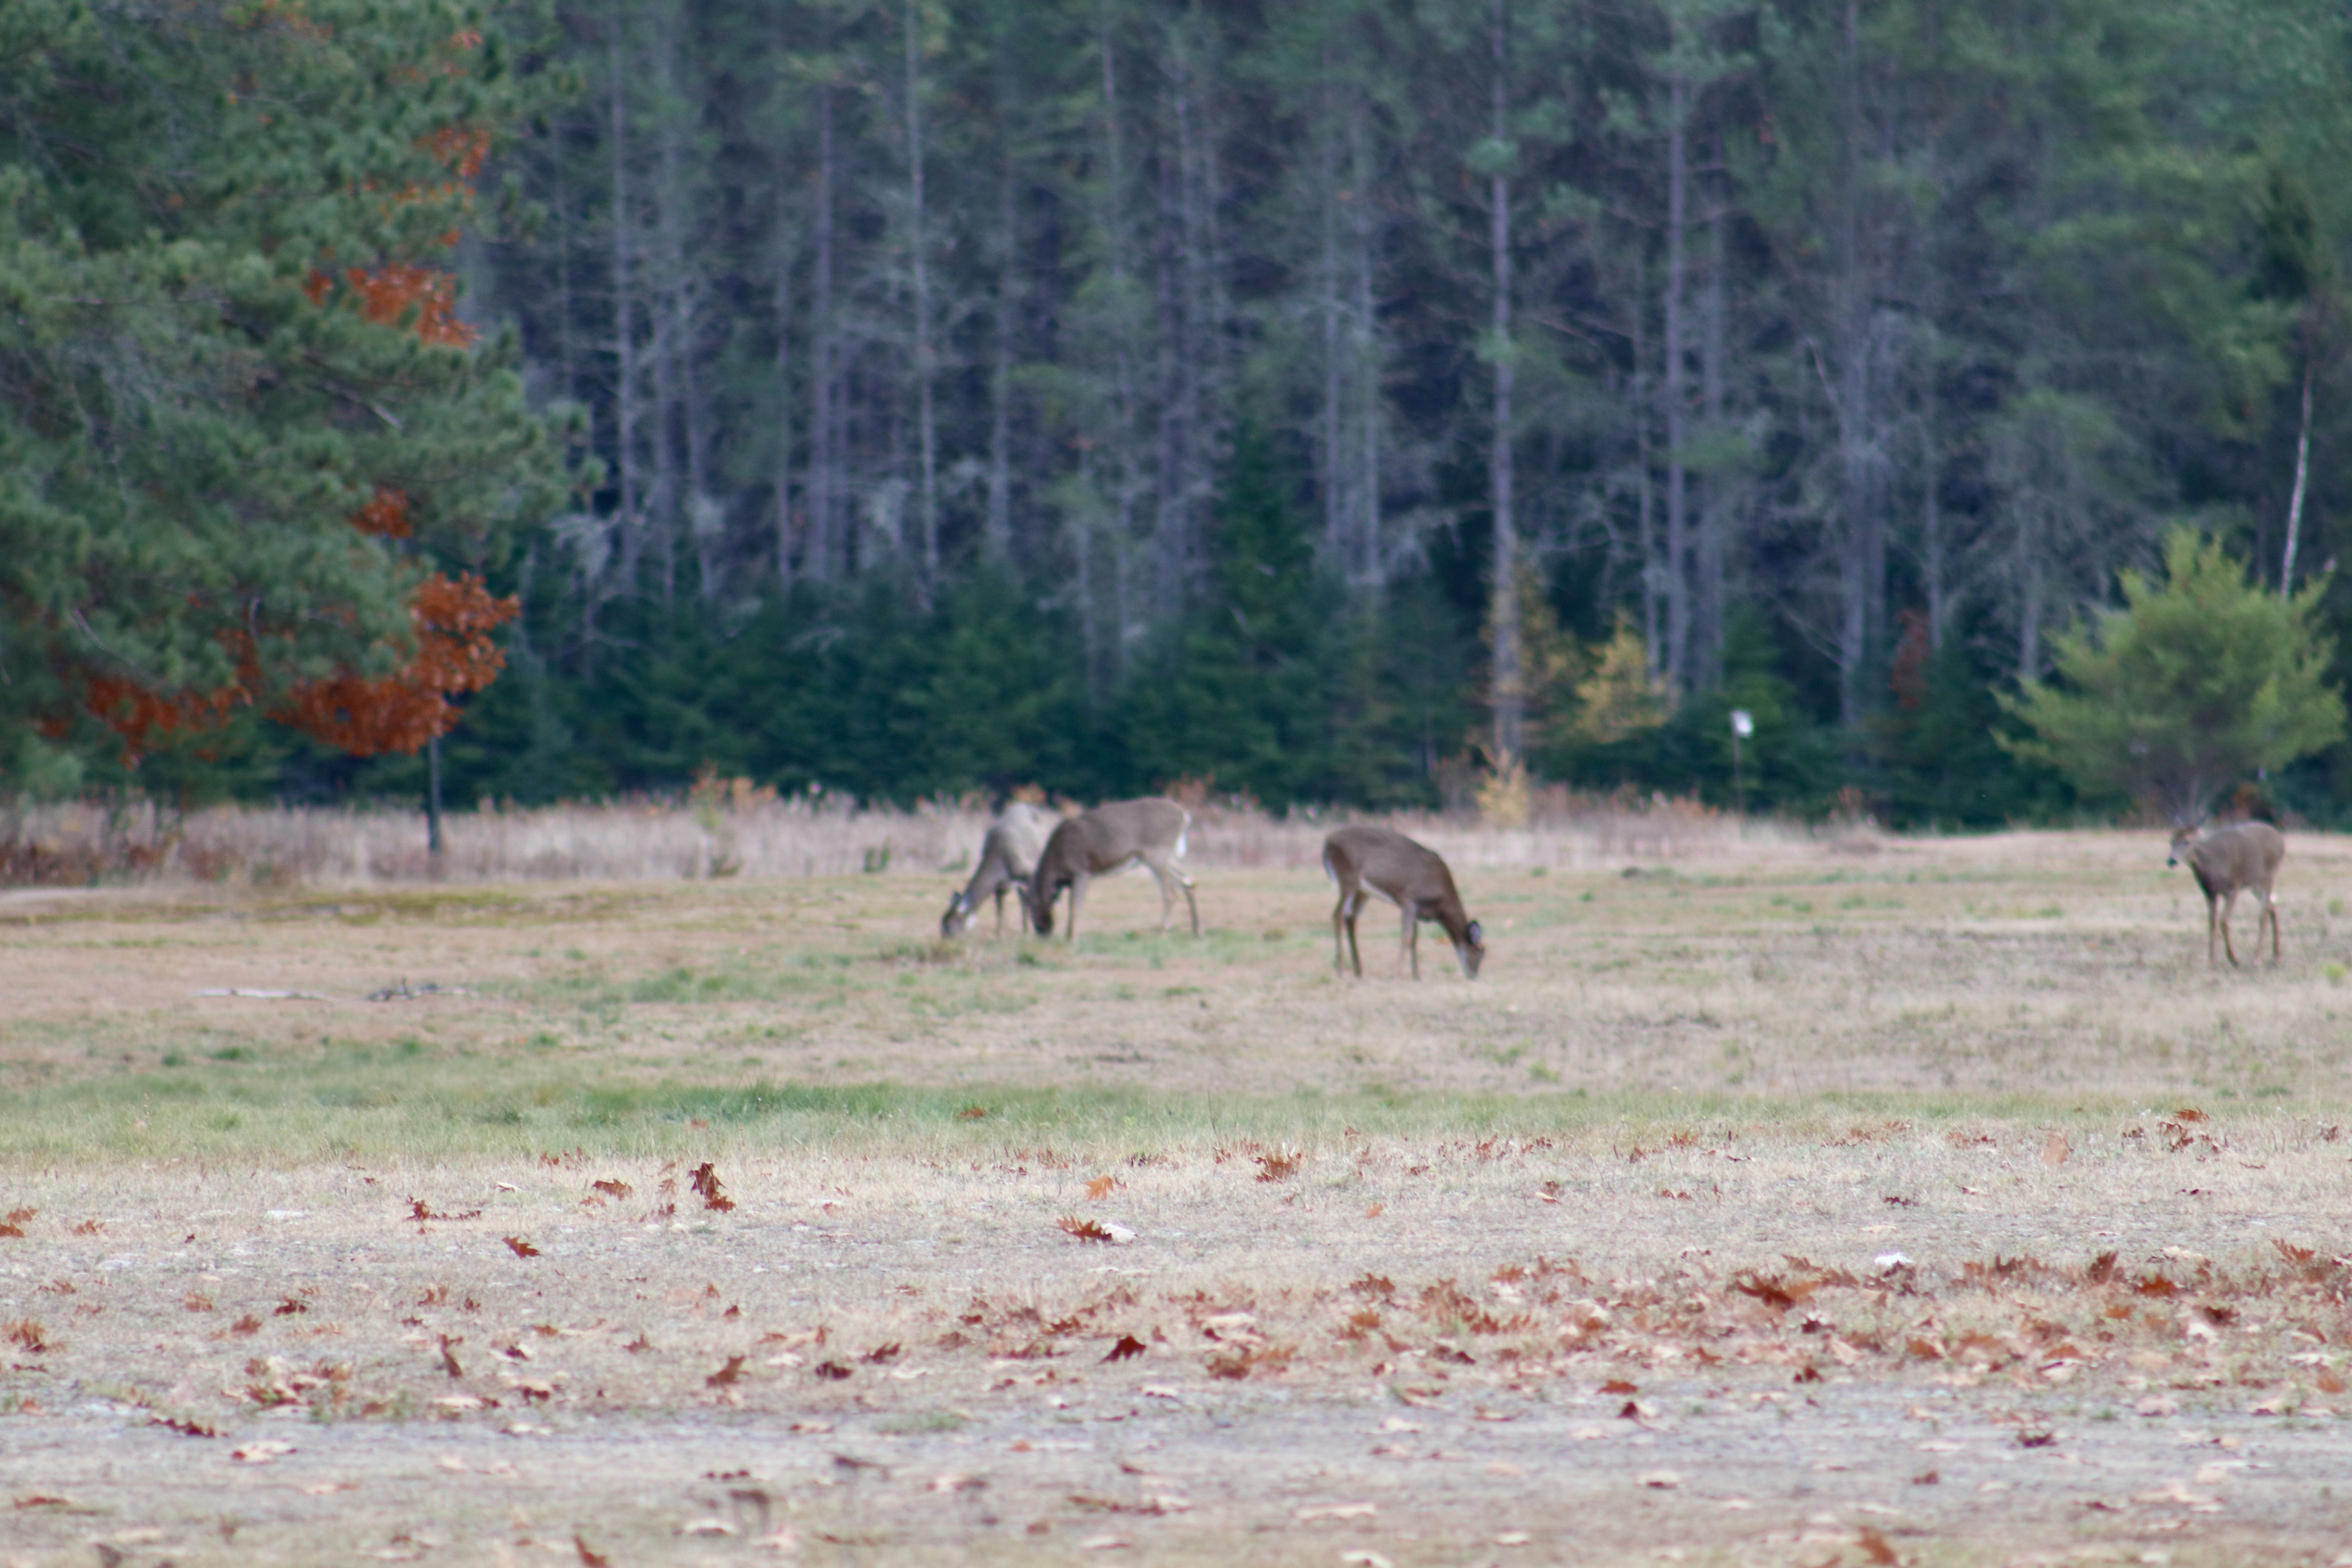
453 618
139 715
386 293
386 514
400 713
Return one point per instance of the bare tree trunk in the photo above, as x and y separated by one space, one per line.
685 419
1123 383
1509 698
1646 529
664 499
1201 348
1082 550
2301 474
784 403
996 533
927 429
1935 563
1169 468
624 321
1715 494
1862 572
1372 559
825 557
2029 585
1679 616
1335 507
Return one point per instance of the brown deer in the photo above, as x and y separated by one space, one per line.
1105 840
1364 859
2227 861
1007 856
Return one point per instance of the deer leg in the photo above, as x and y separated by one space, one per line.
1355 907
1412 936
2212 925
1078 887
1000 910
2228 904
1340 933
2270 911
1167 898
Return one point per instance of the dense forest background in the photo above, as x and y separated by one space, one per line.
1333 397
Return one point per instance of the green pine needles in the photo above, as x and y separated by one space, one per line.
2196 682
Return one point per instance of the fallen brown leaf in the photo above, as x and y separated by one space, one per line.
704 1179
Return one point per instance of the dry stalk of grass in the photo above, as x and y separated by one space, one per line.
721 832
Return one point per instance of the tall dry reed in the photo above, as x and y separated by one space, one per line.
738 831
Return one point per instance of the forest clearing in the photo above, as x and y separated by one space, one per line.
1887 1201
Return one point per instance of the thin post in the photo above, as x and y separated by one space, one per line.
433 800
2301 473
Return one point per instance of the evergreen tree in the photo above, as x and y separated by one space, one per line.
2196 682
241 415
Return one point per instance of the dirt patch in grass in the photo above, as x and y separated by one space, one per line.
730 1220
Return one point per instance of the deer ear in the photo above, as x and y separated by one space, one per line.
1477 936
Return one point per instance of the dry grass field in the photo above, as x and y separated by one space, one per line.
1866 1201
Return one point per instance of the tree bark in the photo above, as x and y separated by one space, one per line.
996 530
1678 612
1716 491
927 429
625 322
1509 696
825 558
1372 559
1644 509
1335 508
1123 374
783 307
2302 475
1862 571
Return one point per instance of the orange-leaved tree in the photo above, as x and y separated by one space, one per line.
258 463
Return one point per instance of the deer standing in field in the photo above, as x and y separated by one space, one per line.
1105 840
2227 861
1363 860
1007 856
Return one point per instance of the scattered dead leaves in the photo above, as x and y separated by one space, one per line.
704 1179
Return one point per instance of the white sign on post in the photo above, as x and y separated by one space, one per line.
1743 723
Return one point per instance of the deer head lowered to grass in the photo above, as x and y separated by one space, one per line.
1364 860
2227 861
1007 857
1120 834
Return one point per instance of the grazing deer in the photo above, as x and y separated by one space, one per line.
1364 860
1007 856
2228 861
1107 839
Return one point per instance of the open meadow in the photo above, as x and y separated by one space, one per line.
1766 1200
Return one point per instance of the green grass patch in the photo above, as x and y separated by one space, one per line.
403 1100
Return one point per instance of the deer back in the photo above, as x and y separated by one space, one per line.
1100 841
2245 854
1018 838
1389 864
1113 834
